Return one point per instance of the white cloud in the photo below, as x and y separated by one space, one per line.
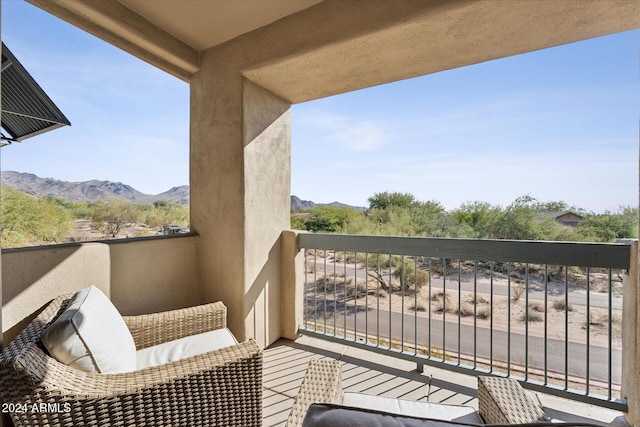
355 133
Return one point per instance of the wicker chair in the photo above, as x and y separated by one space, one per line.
222 387
501 400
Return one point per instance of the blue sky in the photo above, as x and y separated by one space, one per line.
559 124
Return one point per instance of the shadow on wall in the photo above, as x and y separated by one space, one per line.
32 277
24 267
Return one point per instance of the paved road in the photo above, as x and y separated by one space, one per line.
598 356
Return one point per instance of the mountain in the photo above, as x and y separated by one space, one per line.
88 191
94 190
300 205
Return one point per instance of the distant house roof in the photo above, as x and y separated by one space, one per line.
563 217
558 214
26 109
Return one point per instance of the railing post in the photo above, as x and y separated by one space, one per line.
292 284
631 340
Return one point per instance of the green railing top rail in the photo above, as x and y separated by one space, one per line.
597 255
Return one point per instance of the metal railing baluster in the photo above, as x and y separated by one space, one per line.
366 297
475 314
335 295
492 266
508 319
344 305
415 306
526 323
430 302
324 289
403 284
588 326
459 308
546 324
444 307
610 333
566 327
355 296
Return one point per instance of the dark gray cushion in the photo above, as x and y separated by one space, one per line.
327 415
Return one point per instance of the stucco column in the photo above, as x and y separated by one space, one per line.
630 336
240 192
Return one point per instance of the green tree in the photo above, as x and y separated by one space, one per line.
110 216
610 226
386 199
330 218
28 220
162 213
481 217
410 277
518 221
559 206
298 221
429 219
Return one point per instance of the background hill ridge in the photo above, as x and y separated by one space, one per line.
95 190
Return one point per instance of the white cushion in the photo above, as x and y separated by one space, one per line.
438 411
91 335
184 347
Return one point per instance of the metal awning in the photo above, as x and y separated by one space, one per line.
26 109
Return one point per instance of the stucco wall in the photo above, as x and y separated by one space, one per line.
139 275
155 275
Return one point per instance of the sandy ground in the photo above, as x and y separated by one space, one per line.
84 232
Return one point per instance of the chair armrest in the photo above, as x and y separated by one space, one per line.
322 383
152 329
222 387
504 401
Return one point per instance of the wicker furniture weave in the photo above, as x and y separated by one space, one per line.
322 383
221 388
504 401
501 400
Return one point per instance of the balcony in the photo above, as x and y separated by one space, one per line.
575 356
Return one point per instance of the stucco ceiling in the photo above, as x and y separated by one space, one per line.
307 49
202 24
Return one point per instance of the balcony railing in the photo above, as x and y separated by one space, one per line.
546 313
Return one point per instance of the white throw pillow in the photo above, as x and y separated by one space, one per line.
437 411
184 347
91 335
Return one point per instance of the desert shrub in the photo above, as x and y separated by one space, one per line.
518 288
418 307
442 302
477 299
561 305
465 310
358 289
531 316
538 307
162 213
325 283
409 276
598 319
484 313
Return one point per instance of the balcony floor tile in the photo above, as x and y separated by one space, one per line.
285 363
